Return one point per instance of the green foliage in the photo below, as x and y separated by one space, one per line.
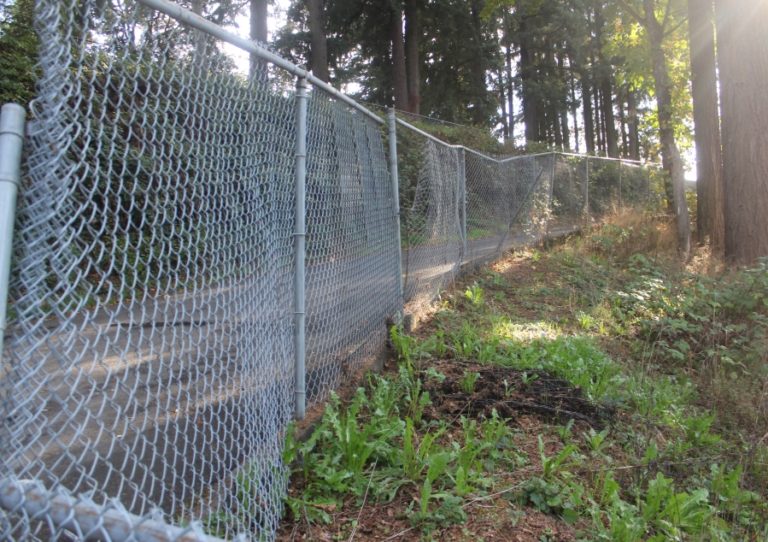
468 382
596 440
474 294
552 465
575 359
19 43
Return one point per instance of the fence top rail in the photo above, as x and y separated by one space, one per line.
627 161
633 163
198 22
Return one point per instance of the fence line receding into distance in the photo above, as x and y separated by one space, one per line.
197 253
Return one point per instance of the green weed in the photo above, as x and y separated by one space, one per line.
475 294
468 382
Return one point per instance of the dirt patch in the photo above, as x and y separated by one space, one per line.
510 392
496 519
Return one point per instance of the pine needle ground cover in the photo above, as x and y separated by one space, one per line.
596 390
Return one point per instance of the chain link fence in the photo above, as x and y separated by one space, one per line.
171 213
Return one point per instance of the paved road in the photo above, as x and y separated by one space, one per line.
173 393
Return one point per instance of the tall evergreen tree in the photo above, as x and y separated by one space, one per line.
319 47
646 14
742 55
709 186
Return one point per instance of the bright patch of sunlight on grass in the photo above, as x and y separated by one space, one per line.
526 331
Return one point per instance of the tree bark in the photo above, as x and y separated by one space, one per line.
527 78
606 97
319 42
574 108
399 73
620 101
634 125
199 40
671 160
599 124
478 67
604 77
510 90
565 128
563 103
710 220
413 62
258 32
503 103
589 123
742 54
554 122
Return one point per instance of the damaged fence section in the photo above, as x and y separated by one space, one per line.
198 255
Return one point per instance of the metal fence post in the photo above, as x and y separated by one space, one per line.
392 125
12 118
300 249
620 201
551 204
463 194
586 189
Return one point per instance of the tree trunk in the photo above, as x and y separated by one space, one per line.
503 103
527 78
413 61
319 42
399 74
706 121
562 105
478 66
510 91
574 108
199 40
671 159
604 70
634 125
258 32
742 54
606 96
589 123
622 122
554 122
599 125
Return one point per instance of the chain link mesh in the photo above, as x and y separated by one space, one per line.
148 369
431 205
351 244
151 355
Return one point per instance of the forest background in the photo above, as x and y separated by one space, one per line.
639 79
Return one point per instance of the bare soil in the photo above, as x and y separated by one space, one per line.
511 393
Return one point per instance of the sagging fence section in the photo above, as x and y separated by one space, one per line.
197 253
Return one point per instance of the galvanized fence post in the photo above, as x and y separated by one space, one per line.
12 118
586 189
550 202
300 250
463 194
620 179
392 136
